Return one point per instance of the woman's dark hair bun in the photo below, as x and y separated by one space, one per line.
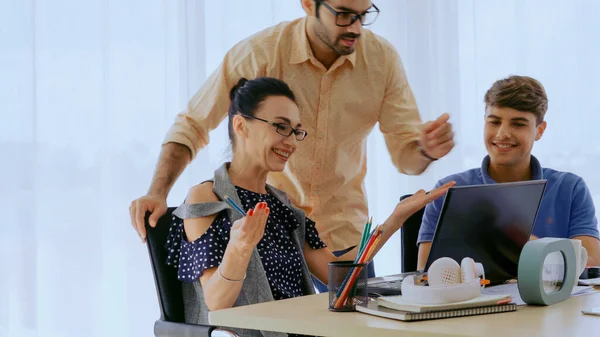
247 95
236 87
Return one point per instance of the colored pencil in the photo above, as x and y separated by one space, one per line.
369 224
365 256
363 241
354 272
365 235
234 205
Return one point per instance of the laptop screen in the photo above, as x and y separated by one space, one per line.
489 223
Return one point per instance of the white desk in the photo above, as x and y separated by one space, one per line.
309 315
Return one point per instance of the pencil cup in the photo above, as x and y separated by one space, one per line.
347 285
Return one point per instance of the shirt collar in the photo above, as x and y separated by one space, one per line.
301 51
352 57
536 170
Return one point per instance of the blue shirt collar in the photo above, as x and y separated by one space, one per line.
536 170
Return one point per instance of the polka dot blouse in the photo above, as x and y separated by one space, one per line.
280 257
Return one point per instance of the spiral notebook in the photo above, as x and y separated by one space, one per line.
400 303
374 309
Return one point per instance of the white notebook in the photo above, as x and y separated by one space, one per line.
374 309
399 303
590 282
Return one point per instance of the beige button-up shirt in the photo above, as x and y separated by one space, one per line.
339 107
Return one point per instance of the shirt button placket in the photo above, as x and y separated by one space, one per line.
322 117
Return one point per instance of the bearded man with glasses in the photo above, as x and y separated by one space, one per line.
346 80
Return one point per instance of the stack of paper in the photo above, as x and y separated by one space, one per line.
396 307
512 289
399 303
590 282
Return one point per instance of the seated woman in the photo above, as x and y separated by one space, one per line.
227 260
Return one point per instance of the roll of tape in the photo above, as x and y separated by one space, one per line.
532 276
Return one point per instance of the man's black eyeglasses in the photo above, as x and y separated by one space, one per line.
345 18
282 128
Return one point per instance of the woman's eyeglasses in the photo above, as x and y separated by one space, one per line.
283 129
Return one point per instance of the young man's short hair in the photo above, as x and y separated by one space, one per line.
521 93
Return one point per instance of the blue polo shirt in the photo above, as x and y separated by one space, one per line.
567 209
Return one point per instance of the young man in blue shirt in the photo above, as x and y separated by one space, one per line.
514 120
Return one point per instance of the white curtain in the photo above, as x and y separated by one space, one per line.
89 88
453 51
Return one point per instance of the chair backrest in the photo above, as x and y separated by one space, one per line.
168 287
409 234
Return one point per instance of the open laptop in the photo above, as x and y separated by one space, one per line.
489 223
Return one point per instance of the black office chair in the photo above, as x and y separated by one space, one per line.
409 234
168 288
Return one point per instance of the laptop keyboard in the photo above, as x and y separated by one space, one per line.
385 288
387 285
390 285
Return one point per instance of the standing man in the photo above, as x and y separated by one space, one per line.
346 80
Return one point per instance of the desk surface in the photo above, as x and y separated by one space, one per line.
309 315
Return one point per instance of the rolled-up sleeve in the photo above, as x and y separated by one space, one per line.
399 119
208 107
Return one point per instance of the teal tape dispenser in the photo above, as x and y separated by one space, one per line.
547 271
